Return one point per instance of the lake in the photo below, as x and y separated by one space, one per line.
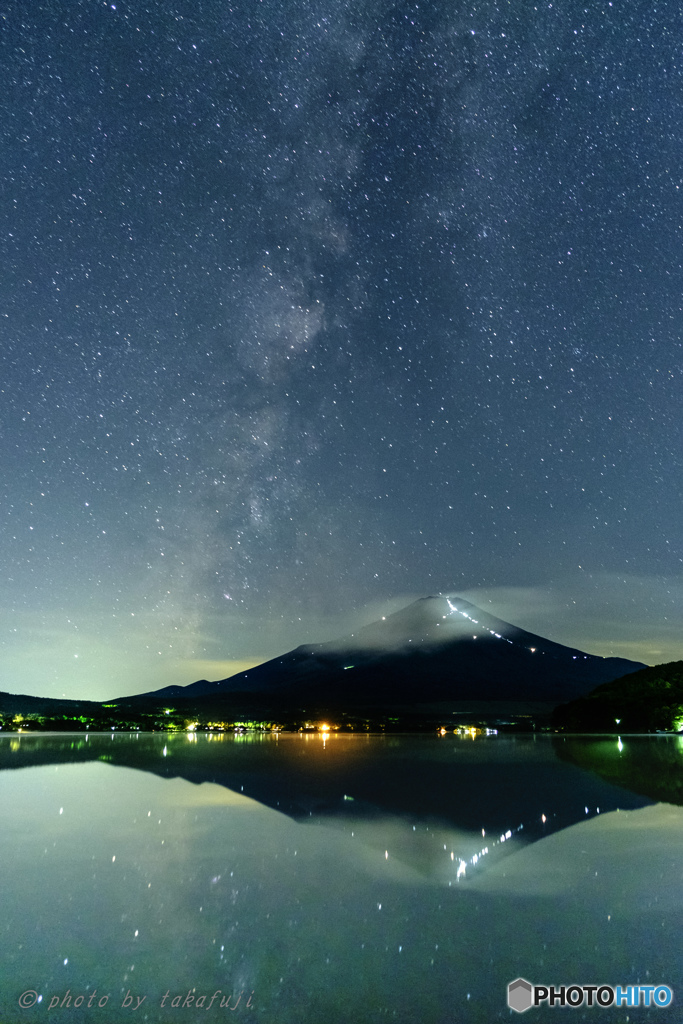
340 878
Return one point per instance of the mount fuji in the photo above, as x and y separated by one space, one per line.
436 651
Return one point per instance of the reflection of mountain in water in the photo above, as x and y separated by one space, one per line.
651 766
202 889
497 784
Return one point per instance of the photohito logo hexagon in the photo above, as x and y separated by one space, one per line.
520 995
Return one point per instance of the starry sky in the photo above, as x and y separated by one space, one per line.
311 309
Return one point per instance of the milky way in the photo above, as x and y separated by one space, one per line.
311 308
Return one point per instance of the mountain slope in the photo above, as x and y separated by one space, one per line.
437 649
644 701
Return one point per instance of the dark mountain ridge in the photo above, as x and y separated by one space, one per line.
644 701
438 649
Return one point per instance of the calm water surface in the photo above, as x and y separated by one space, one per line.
356 879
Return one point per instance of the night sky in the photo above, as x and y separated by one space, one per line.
309 309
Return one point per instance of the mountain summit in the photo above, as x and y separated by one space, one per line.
436 650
